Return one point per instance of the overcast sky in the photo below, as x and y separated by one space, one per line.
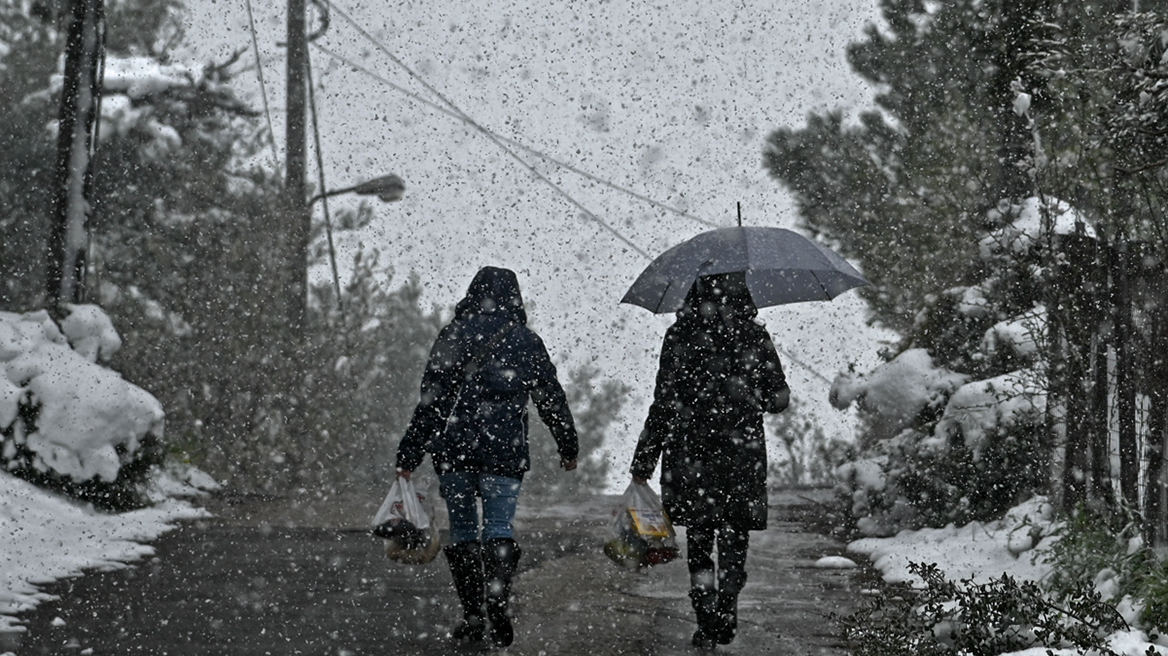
672 100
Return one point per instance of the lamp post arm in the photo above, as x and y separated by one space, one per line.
331 193
388 188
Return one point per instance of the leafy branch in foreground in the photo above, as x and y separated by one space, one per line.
978 619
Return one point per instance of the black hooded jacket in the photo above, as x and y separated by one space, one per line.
719 373
483 426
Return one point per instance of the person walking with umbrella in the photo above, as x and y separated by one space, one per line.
472 420
719 373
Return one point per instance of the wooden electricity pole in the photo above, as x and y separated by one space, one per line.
80 97
296 194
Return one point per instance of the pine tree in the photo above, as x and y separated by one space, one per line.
906 190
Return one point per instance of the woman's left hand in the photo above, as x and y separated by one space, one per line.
568 465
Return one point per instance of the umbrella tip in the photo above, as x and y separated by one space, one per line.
739 214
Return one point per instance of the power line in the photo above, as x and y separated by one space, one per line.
490 135
263 87
562 164
453 110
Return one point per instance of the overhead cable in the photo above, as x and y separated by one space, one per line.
263 87
503 143
490 135
560 163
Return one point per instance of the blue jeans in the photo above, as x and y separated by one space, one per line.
500 495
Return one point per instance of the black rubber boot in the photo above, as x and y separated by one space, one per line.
500 558
704 600
726 608
466 567
727 618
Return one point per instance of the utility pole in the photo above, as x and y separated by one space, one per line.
297 444
299 219
80 97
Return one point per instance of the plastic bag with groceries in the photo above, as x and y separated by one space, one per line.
642 535
410 536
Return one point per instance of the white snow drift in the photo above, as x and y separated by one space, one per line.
84 413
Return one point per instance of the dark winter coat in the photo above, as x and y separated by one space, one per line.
483 426
719 372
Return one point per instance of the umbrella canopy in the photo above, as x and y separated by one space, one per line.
780 267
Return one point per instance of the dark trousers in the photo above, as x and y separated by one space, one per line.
729 576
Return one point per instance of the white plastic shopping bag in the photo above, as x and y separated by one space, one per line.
410 536
642 534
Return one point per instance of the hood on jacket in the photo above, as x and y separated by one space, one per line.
722 294
493 290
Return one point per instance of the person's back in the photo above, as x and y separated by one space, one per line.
474 410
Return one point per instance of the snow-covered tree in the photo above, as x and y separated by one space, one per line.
906 190
1006 200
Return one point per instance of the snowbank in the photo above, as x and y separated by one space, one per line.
47 537
977 551
1014 545
83 414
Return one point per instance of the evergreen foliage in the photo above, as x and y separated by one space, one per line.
906 190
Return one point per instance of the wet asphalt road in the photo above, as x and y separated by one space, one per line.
277 577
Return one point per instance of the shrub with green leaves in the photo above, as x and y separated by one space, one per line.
979 619
1092 543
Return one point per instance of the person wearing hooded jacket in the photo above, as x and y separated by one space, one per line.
719 372
472 421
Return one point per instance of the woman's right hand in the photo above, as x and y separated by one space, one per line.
404 473
640 481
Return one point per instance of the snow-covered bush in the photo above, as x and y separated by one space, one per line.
65 421
956 421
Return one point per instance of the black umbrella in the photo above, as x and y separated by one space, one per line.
780 267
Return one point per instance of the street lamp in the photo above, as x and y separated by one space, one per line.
387 188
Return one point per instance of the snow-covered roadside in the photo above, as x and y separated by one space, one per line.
1013 545
45 537
62 413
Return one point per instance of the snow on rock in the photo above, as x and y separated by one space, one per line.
980 409
48 537
835 562
86 411
897 391
178 480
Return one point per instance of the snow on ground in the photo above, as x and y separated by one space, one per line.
84 413
48 537
1013 545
